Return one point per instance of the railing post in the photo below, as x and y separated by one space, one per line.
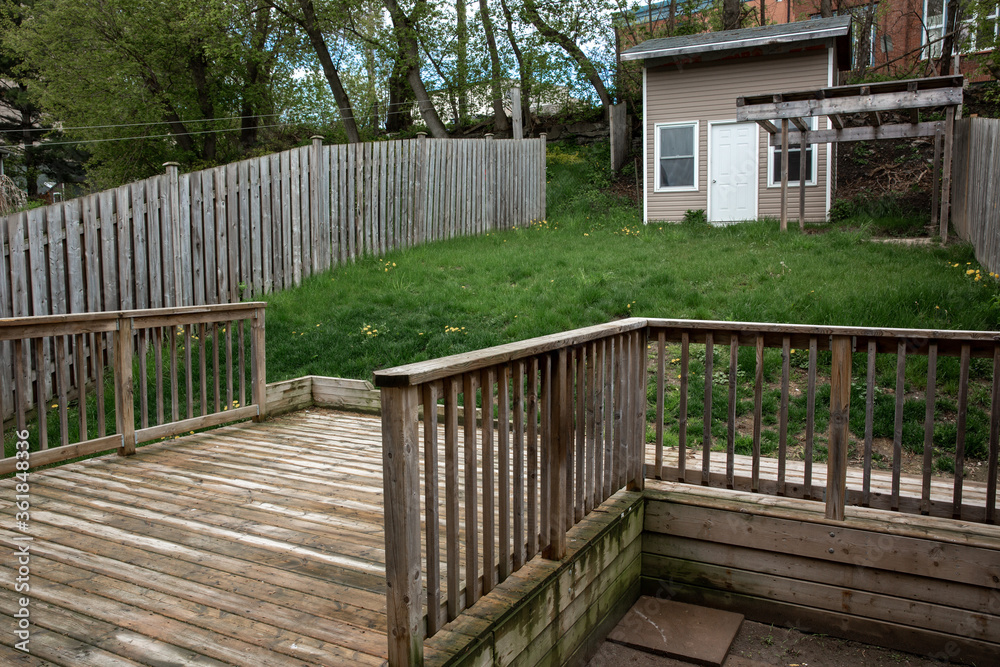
258 365
840 405
562 427
640 370
401 477
124 410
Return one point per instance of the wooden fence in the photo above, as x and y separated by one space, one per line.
564 417
172 370
245 229
976 210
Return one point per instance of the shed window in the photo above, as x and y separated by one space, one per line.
794 155
677 156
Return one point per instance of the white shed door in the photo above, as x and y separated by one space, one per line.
732 172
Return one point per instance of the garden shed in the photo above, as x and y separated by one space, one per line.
696 155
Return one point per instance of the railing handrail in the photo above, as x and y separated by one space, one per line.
20 327
466 362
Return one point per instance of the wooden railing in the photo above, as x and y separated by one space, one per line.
558 429
168 371
562 421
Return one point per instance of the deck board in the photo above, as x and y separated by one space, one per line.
252 544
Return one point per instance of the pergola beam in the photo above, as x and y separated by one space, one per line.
800 124
940 97
768 126
866 133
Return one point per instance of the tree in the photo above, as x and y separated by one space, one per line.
405 29
496 72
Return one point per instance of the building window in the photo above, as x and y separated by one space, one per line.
794 155
976 33
677 156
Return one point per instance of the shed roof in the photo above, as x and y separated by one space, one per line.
726 40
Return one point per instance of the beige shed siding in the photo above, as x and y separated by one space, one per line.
708 92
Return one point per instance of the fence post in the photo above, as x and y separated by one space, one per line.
561 435
515 113
258 365
124 410
320 250
840 405
543 137
401 475
490 183
174 203
419 192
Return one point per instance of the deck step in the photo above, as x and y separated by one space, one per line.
699 635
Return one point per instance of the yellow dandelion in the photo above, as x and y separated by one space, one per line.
55 405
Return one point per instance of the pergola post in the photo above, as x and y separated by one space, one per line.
784 174
803 147
949 142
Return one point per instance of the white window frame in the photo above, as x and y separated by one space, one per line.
696 128
793 179
933 31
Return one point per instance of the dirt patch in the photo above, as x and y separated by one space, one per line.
762 645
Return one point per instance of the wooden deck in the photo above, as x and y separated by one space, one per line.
253 544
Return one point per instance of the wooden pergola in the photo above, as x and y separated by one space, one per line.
874 100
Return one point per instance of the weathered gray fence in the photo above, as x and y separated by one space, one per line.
244 229
976 193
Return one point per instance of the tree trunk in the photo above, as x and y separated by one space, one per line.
500 123
308 24
948 43
462 62
199 72
826 8
405 34
570 47
731 14
398 117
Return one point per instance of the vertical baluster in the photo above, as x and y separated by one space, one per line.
544 453
81 385
203 368
142 379
682 419
869 424
158 360
215 366
241 359
432 520
810 418
591 426
503 465
533 528
175 405
661 348
963 404
994 451
519 472
471 491
897 438
570 462
758 405
607 366
706 432
62 388
619 443
189 369
734 348
639 408
580 482
451 494
97 349
21 385
786 361
40 402
228 329
486 380
928 464
559 444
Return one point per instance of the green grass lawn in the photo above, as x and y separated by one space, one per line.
592 260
